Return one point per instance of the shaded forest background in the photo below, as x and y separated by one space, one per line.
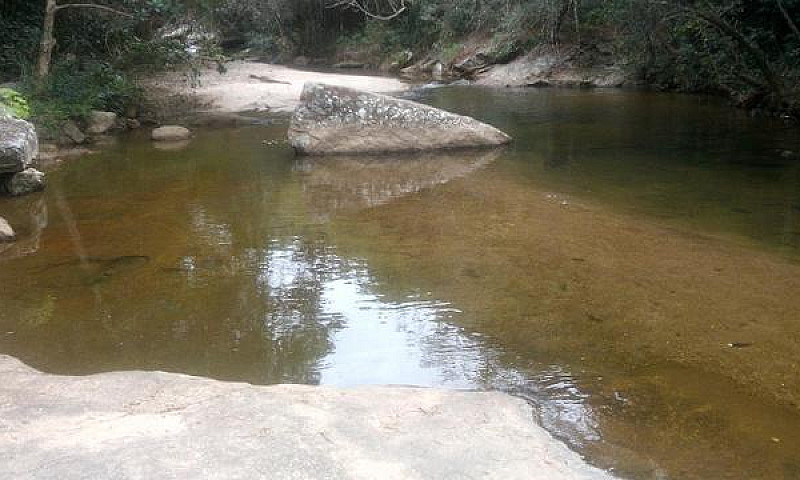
748 50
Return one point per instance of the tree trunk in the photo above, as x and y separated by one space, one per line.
48 41
773 80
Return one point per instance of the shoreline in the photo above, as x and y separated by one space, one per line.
165 425
259 87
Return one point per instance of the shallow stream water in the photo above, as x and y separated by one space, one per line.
627 265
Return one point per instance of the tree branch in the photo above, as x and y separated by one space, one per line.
397 10
93 5
788 18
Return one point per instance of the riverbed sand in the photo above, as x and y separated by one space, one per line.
252 86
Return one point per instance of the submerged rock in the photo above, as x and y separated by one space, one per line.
337 120
170 133
18 144
22 183
152 425
6 232
29 218
101 122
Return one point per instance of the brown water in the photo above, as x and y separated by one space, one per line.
629 265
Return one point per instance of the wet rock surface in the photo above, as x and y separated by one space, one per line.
22 183
337 120
153 425
548 67
18 144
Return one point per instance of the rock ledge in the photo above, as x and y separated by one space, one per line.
139 425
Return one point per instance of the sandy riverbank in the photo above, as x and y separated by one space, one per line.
251 86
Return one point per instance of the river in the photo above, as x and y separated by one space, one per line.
630 265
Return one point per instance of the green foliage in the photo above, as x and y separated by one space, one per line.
75 88
14 102
19 37
158 54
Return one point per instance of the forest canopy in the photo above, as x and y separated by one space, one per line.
747 49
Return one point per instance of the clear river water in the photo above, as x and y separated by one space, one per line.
630 265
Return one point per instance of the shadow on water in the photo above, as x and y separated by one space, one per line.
587 269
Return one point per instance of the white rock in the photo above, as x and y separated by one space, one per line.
6 232
101 122
170 133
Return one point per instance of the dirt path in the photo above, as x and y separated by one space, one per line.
249 86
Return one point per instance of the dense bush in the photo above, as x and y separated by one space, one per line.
75 87
14 103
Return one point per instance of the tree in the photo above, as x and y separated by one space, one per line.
48 40
377 9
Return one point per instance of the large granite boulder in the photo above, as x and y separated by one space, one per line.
338 120
18 144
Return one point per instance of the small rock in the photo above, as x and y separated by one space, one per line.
28 181
6 232
170 133
301 61
73 133
788 154
132 124
101 122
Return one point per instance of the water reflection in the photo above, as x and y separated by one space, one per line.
229 259
28 216
343 183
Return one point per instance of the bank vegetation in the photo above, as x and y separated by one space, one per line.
68 57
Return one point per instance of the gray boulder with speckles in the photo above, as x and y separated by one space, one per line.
18 144
337 120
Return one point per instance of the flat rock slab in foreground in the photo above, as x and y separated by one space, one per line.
337 120
155 425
